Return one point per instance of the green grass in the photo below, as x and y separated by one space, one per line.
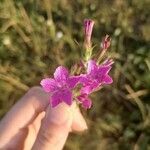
37 36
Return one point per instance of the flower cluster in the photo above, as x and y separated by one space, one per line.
64 88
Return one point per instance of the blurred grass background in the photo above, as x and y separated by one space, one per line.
37 36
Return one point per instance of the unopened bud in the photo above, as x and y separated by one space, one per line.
88 28
106 42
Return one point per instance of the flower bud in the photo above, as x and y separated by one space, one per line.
88 28
106 42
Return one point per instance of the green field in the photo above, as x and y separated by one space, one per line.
37 36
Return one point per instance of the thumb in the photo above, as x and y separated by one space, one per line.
55 128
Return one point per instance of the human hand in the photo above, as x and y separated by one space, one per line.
32 124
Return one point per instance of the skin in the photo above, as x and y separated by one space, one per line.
33 124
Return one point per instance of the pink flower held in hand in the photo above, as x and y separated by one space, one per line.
60 87
88 27
95 77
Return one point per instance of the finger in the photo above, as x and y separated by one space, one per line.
56 126
17 142
25 138
22 114
78 124
33 130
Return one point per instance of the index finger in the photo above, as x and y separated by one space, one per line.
23 113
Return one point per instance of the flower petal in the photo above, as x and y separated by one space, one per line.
92 66
104 70
85 100
66 96
86 90
61 74
48 84
87 103
55 99
72 81
82 97
61 96
107 79
89 89
84 79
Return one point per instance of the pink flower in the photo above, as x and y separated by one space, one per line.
60 87
88 27
96 76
